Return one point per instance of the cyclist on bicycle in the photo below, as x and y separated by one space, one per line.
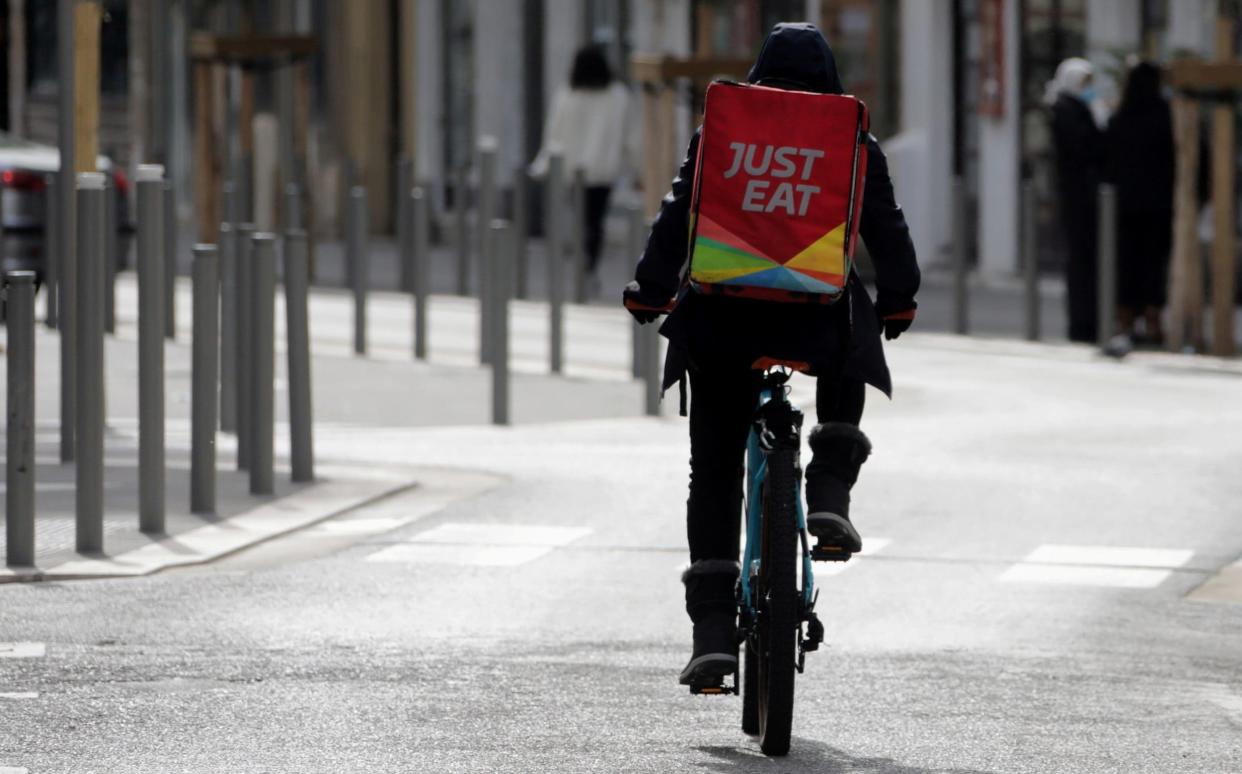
720 340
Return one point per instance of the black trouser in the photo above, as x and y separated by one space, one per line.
722 404
593 228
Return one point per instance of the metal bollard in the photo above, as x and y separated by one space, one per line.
488 148
653 374
401 219
420 267
227 266
961 298
293 206
359 264
229 204
51 247
1107 256
244 180
262 363
555 240
90 381
67 314
520 227
152 323
404 220
461 222
500 282
170 261
1030 261
245 340
297 332
19 495
112 256
634 246
204 378
577 231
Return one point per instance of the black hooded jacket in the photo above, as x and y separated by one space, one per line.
717 328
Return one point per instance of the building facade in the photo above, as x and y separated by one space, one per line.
954 86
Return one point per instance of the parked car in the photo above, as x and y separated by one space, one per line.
24 169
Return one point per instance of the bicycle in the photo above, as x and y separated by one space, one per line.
776 593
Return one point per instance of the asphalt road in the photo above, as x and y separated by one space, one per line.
521 611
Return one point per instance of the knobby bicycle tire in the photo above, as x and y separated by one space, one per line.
778 628
750 687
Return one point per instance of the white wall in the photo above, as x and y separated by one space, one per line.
663 27
562 36
498 81
999 153
921 155
1113 25
1192 27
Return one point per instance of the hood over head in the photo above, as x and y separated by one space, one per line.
1073 78
796 55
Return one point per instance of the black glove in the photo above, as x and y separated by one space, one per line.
641 309
895 316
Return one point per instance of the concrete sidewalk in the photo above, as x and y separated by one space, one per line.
240 519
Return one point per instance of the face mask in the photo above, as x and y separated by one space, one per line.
1087 94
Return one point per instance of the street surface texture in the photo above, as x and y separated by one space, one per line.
1036 518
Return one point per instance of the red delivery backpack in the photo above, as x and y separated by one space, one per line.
777 193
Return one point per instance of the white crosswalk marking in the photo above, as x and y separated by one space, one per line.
13 770
1111 556
1104 566
19 695
357 526
469 556
481 545
22 650
871 545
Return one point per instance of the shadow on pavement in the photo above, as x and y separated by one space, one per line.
809 755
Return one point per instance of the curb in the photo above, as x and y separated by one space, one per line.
331 496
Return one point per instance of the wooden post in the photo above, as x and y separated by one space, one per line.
1186 296
1224 206
86 20
653 174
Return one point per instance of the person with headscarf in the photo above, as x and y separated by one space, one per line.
718 338
1078 144
1140 158
591 124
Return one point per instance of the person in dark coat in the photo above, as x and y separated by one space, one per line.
1140 157
1079 147
717 339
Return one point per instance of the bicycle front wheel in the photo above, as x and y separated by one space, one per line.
777 627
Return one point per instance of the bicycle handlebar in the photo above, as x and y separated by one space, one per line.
641 307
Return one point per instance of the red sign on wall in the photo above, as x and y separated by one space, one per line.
992 63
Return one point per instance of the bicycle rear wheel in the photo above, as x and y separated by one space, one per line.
776 632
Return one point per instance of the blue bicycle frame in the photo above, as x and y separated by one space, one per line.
756 474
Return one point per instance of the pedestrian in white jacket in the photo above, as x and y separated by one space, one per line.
591 123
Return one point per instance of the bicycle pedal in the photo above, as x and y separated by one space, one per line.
821 553
715 688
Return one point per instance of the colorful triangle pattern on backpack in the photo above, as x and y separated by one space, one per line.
720 258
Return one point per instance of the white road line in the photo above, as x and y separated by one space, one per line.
467 556
481 545
502 534
22 650
357 526
19 695
1111 556
1075 575
13 770
871 545
1104 566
